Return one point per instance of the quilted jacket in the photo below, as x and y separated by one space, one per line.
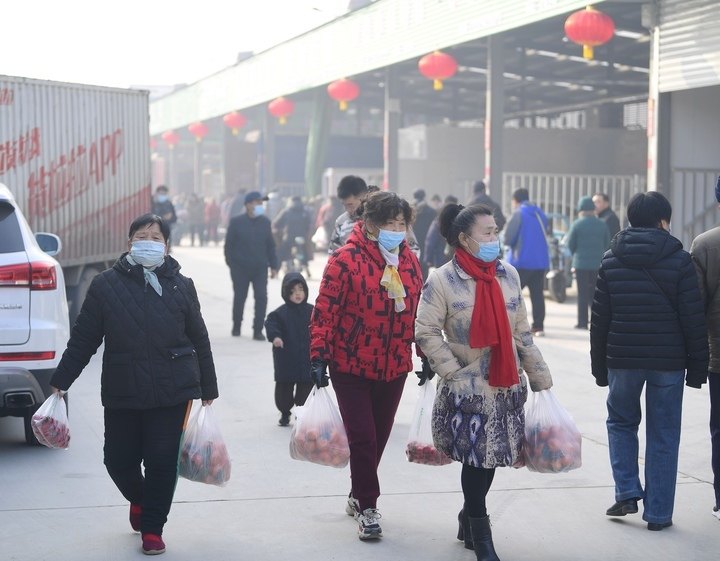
354 326
647 312
157 351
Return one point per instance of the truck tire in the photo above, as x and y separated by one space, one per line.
77 293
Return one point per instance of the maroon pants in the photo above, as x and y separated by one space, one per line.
368 410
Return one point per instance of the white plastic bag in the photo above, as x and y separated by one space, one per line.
204 457
420 447
552 442
319 238
319 434
50 423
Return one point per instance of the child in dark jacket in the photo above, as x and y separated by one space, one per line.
287 328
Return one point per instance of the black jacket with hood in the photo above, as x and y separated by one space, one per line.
157 350
647 312
291 322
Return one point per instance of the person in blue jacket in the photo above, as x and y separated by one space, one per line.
526 236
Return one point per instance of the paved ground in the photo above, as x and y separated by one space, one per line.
61 505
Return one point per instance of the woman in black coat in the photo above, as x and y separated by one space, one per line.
157 359
287 328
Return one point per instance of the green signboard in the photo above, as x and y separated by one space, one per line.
382 34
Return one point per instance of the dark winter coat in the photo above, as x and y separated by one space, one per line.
292 222
647 312
484 198
249 243
157 351
424 216
291 322
612 221
355 327
587 240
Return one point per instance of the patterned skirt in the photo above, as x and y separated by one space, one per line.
480 430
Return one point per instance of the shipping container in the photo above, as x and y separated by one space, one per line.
77 160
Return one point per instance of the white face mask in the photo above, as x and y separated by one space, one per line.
147 252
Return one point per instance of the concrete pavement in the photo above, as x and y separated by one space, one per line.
62 506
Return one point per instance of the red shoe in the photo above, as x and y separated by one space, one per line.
135 512
152 544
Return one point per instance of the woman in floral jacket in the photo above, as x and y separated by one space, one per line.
472 327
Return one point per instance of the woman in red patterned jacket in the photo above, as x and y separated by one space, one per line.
362 328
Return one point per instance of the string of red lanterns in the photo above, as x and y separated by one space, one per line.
589 28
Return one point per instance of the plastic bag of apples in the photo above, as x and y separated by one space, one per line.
318 435
420 448
204 457
552 442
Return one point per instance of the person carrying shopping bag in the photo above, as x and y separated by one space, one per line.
362 331
157 359
472 326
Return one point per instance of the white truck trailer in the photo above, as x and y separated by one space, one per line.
77 160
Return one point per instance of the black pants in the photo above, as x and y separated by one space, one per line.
241 279
475 485
585 280
534 279
151 437
288 394
714 384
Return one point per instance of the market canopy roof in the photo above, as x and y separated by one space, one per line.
544 72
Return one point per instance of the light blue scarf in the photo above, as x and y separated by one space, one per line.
150 276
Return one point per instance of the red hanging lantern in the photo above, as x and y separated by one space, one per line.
343 90
235 121
589 28
171 137
438 67
281 108
199 130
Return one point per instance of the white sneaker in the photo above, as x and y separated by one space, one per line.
369 528
716 512
352 507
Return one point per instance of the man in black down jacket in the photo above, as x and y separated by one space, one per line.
157 359
648 329
249 251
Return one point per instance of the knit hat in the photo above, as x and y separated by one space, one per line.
717 190
586 203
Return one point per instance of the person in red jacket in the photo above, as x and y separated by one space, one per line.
362 329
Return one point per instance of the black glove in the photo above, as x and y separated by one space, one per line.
318 373
426 373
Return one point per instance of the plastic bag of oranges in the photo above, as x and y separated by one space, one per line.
552 442
204 456
318 435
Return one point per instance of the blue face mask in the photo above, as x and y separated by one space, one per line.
390 240
162 198
259 210
487 251
147 252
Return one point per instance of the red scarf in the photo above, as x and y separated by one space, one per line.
489 326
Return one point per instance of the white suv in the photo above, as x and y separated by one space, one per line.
34 324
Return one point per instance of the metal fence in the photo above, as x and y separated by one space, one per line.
695 209
560 193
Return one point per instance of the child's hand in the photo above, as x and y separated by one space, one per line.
277 342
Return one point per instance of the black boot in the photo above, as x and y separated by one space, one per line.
482 539
464 529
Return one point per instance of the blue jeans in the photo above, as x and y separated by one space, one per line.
663 407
